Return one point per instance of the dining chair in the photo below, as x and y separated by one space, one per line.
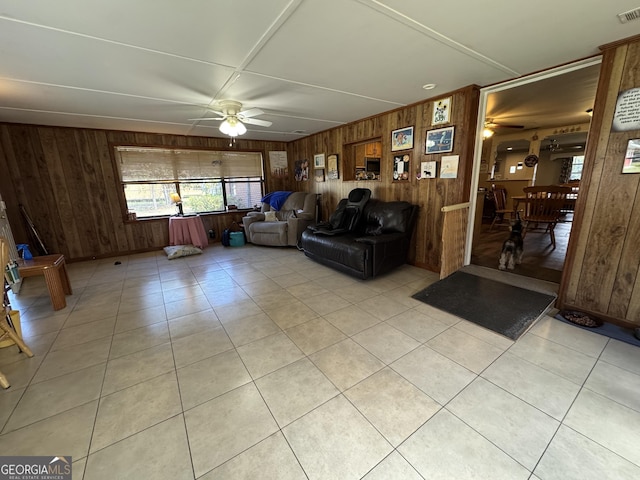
500 202
6 330
572 197
544 205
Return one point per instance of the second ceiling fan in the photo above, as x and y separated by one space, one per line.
490 127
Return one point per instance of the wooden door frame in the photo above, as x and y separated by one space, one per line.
482 113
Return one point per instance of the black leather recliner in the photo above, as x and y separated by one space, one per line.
347 214
378 243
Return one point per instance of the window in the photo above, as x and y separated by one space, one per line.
576 168
206 180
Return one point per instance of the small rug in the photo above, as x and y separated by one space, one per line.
608 330
500 307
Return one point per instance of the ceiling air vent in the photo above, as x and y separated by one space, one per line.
630 15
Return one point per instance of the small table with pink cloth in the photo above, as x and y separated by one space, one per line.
187 231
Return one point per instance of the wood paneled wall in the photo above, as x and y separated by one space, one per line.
66 180
429 194
602 271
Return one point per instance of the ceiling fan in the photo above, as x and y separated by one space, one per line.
491 124
233 118
490 127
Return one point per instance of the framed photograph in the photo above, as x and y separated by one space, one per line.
301 170
402 139
332 167
318 174
401 167
427 170
279 164
318 160
439 140
632 157
441 111
449 166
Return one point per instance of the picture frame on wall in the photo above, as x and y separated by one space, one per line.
449 166
279 164
441 111
402 139
402 167
632 157
318 160
332 167
318 174
427 170
439 140
301 170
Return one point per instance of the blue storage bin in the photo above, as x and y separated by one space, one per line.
236 239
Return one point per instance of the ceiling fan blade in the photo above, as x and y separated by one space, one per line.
490 123
217 112
501 125
255 121
206 118
252 112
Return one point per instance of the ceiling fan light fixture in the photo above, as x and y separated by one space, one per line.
487 133
232 127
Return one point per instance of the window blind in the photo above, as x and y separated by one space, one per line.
142 164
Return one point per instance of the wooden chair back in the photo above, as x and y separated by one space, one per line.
7 331
4 253
544 203
500 198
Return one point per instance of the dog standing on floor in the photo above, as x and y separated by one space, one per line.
512 248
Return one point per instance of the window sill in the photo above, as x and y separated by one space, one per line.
203 214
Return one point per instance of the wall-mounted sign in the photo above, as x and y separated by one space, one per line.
627 115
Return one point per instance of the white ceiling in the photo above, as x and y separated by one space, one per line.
150 65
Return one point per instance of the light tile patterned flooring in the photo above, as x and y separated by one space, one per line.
258 363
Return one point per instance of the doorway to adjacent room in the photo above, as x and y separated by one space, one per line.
529 116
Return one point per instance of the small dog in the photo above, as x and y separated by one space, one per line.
512 248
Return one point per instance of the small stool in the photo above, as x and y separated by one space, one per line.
54 269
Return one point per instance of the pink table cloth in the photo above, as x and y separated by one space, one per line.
186 231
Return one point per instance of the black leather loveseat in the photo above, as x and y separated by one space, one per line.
378 243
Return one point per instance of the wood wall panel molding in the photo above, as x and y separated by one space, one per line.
65 178
430 195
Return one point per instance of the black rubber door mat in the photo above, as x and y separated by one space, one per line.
503 308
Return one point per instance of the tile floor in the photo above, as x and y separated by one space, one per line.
258 363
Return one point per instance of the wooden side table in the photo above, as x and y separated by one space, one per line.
54 269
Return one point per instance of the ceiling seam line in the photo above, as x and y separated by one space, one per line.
271 31
107 92
258 46
339 122
33 110
329 89
115 42
434 35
